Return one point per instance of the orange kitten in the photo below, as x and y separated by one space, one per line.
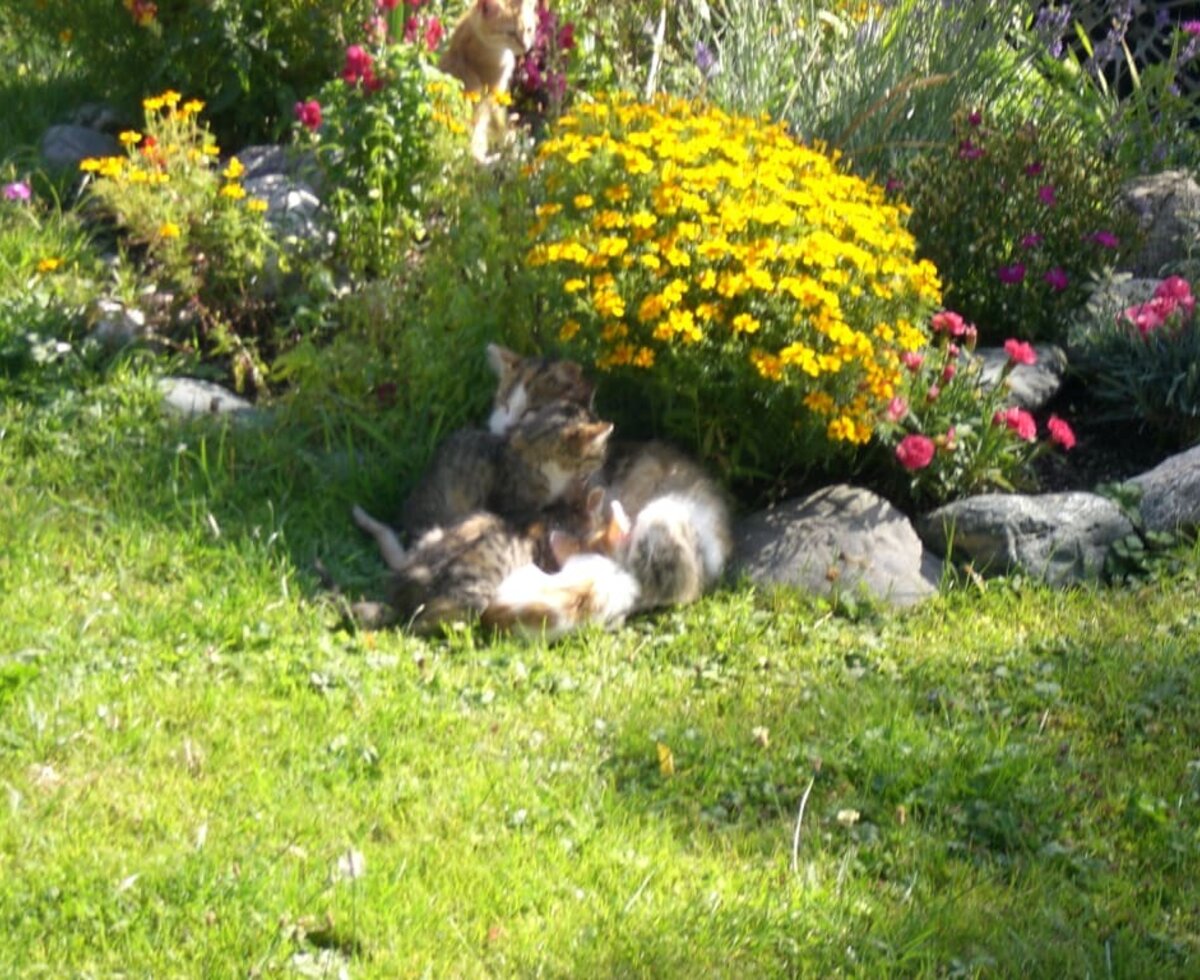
482 54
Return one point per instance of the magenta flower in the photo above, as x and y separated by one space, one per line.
1191 27
1032 240
1057 279
1019 352
358 65
915 452
566 37
893 184
18 190
309 114
1046 195
1060 433
1019 421
1105 238
969 151
1033 169
1011 274
975 118
949 322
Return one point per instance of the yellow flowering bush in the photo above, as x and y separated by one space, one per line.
736 285
185 213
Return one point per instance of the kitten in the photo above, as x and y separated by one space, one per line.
681 537
549 454
452 574
482 54
589 587
525 384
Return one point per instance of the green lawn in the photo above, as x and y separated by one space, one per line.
206 774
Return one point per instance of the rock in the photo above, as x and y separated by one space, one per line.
1059 537
1170 493
276 160
292 206
1168 208
65 146
115 324
192 397
1030 385
839 538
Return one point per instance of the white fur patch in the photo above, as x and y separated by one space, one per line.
709 523
508 413
557 478
612 591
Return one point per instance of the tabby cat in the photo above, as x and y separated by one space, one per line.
549 454
524 384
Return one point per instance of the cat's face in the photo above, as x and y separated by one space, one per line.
526 384
510 24
563 442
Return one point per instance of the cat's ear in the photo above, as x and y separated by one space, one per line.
594 434
616 535
487 7
501 360
594 503
563 546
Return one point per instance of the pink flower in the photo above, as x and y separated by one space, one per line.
912 360
1032 240
309 114
1191 27
1011 274
1105 238
18 190
1020 421
933 394
915 452
386 4
1057 279
1147 318
412 27
358 65
433 33
1178 290
1046 195
948 321
1019 352
949 371
376 27
1060 433
897 408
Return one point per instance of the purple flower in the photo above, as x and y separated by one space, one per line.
1056 279
969 151
1010 275
1105 238
706 61
1046 195
1032 240
18 190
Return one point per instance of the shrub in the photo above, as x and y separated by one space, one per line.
200 237
950 434
1017 220
1143 363
755 298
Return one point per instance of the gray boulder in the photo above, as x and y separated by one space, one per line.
191 397
115 324
841 538
292 206
1168 208
1170 493
1059 537
65 146
1030 386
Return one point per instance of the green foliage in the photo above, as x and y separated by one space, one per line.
1018 219
1143 363
251 60
753 297
973 440
374 144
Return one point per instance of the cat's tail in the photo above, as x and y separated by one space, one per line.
390 547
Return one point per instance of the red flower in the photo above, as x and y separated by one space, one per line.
386 4
566 37
1020 352
1060 433
915 452
949 371
1020 421
309 114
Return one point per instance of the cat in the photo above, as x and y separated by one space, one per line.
588 587
681 537
482 54
525 384
452 574
548 454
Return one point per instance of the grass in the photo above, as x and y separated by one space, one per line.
205 774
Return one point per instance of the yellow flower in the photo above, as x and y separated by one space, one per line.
644 358
574 285
170 98
583 201
568 330
49 265
257 205
210 150
233 191
745 323
191 107
152 104
234 169
547 210
129 137
91 165
168 229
